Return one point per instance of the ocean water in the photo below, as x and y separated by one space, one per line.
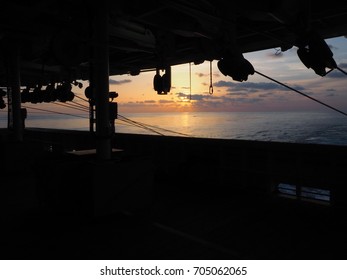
298 127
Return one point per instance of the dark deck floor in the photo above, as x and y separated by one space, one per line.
178 230
179 217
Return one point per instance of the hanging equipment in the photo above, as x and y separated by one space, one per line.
210 90
166 80
314 53
190 81
157 82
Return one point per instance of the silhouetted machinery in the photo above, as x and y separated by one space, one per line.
113 108
314 53
61 92
235 66
162 84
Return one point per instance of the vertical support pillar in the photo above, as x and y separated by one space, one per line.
91 116
100 78
15 120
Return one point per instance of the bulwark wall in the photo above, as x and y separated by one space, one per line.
179 166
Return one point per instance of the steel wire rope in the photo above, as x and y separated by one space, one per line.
341 70
129 123
125 123
168 130
70 106
80 105
86 100
138 124
142 125
210 89
190 81
125 120
156 127
55 112
171 131
293 89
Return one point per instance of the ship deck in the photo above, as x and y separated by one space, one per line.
168 198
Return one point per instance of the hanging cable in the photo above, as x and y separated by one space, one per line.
70 106
80 105
190 81
143 125
168 130
140 125
82 98
343 71
293 89
131 123
55 112
125 122
210 90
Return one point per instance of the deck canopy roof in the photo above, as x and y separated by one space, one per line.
55 37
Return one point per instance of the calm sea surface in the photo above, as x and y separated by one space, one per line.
312 127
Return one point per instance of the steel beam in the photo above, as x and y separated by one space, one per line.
100 78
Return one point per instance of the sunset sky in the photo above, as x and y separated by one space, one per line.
136 93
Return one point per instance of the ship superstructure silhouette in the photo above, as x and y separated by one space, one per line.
240 199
